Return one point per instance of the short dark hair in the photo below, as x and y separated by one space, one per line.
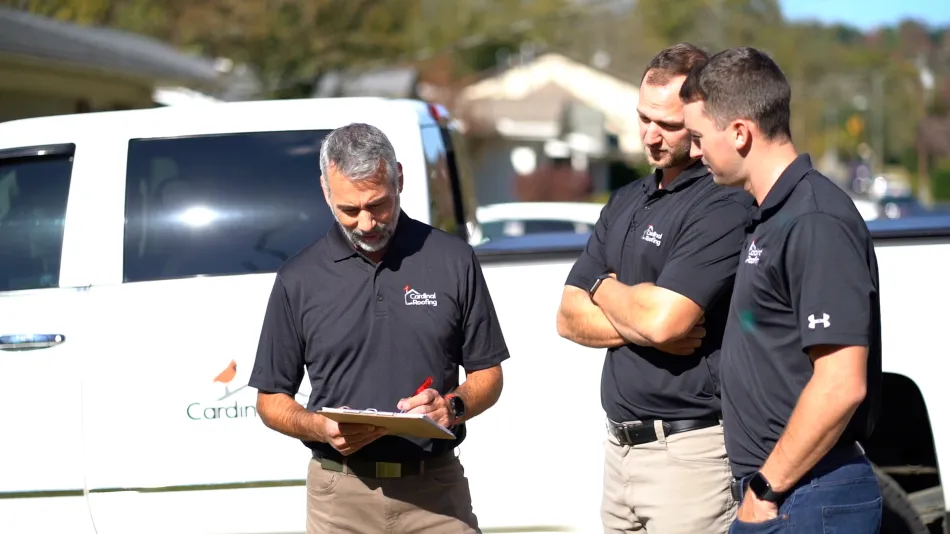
677 60
742 83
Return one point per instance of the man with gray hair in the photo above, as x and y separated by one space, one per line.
378 305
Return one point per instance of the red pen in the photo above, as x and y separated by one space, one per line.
425 385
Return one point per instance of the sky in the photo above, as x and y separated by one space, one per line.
868 14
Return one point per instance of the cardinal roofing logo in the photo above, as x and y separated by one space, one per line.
650 236
752 258
416 298
220 404
224 387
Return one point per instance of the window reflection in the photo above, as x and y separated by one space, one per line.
222 204
198 216
33 194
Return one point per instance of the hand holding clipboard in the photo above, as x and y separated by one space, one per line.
425 415
400 424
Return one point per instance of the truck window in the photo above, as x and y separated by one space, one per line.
451 191
34 189
441 208
221 204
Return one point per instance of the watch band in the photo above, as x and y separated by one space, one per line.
596 284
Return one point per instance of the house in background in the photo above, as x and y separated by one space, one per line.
549 129
386 82
50 67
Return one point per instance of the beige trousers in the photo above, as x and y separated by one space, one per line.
437 500
675 485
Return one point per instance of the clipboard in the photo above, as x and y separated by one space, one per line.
405 424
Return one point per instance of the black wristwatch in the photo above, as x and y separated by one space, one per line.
763 490
597 282
456 406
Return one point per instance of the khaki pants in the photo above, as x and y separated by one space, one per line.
676 485
437 500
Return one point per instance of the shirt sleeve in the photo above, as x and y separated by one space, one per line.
702 265
484 343
829 282
279 364
593 260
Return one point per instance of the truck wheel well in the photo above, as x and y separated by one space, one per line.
902 443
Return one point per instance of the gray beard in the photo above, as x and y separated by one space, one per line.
386 232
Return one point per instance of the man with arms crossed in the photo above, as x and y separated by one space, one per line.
801 356
653 288
373 308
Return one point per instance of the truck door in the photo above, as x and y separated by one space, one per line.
41 331
176 441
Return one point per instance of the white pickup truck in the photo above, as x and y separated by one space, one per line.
137 251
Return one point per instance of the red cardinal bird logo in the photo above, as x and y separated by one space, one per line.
227 376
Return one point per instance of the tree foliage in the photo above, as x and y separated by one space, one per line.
837 72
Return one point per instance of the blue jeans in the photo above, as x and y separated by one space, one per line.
839 500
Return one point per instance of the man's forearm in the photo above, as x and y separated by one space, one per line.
818 420
282 413
480 391
582 322
633 311
656 314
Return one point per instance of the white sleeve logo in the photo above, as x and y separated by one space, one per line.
824 321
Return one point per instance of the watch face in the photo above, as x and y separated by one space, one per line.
758 485
458 406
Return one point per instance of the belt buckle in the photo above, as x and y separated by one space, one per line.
623 432
626 433
388 470
617 430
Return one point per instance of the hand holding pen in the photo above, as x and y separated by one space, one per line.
425 385
428 402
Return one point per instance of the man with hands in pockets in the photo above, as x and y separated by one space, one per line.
801 355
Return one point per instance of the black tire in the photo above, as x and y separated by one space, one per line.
899 516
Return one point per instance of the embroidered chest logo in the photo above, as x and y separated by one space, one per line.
752 257
651 236
417 298
825 321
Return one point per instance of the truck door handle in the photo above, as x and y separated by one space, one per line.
17 342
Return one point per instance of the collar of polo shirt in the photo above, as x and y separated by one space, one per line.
784 186
341 248
689 175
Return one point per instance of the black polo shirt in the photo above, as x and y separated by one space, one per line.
369 335
808 276
685 238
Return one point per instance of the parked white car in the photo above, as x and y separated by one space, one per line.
511 219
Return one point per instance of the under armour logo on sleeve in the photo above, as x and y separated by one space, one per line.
824 321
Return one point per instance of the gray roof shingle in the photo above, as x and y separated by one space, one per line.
25 34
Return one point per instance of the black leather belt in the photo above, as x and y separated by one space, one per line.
736 488
640 432
370 469
837 456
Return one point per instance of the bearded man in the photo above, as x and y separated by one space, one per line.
653 288
378 305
